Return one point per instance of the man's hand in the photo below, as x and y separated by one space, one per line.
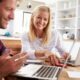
12 64
7 53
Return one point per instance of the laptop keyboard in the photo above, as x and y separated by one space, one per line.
73 61
47 71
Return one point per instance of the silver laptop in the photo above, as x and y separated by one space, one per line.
41 72
75 62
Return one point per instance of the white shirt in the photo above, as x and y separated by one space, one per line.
54 45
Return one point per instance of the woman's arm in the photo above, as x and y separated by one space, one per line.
26 46
60 47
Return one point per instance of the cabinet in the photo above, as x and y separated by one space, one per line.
53 16
68 18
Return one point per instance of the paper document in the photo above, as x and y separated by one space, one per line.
34 62
73 74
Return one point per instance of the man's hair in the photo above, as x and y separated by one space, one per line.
1 1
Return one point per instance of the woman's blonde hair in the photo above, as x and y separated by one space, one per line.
47 31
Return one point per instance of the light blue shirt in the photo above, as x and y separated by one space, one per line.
54 45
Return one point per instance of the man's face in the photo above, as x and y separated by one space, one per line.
7 8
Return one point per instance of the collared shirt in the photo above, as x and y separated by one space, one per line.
54 45
2 48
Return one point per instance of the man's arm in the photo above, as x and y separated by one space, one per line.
9 65
2 48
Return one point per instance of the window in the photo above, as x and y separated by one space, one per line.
26 21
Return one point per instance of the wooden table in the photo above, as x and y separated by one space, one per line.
64 75
15 45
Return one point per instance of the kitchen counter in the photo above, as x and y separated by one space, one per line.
12 43
9 38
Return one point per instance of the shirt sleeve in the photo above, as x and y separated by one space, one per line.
26 47
2 48
59 48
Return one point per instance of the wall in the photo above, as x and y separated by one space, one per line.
25 5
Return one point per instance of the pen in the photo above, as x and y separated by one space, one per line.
19 58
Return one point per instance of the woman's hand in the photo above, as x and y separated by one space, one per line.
48 58
53 60
66 56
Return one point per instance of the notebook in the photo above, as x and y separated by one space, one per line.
41 72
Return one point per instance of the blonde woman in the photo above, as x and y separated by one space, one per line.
41 40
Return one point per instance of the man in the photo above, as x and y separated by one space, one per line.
8 64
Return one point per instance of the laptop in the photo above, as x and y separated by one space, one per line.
75 62
38 71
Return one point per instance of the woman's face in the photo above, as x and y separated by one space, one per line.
40 20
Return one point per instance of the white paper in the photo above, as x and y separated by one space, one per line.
73 74
34 61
